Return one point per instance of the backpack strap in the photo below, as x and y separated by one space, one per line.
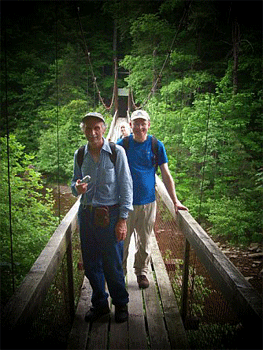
80 155
154 148
155 151
113 155
125 144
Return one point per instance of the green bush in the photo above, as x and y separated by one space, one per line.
196 287
231 218
32 220
58 143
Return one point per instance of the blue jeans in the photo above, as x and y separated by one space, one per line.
102 258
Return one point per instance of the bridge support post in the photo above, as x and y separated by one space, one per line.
184 297
70 279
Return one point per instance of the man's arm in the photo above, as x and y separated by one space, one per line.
76 176
125 191
169 184
125 183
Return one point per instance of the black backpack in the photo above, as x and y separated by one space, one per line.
113 155
154 148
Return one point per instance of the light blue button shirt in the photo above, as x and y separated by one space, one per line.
109 184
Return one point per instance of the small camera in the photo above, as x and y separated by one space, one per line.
86 179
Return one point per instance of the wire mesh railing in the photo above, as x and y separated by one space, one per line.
49 327
210 320
54 320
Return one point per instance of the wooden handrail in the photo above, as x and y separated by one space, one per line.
244 299
111 134
26 301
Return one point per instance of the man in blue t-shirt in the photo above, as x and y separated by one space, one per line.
142 165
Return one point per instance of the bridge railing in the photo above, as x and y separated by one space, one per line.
112 134
243 299
25 303
22 309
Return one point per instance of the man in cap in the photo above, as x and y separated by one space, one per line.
141 221
106 200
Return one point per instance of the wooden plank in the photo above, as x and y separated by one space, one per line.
80 328
155 319
99 333
174 324
137 330
119 336
71 294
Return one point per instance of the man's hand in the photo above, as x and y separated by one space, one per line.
81 187
121 230
179 206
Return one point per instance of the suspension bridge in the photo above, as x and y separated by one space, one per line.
156 320
192 283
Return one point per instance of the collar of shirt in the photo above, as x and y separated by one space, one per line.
103 188
105 146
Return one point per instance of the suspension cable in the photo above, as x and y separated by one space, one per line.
57 121
87 54
166 59
8 172
205 155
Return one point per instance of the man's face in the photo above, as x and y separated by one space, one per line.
124 131
140 128
94 130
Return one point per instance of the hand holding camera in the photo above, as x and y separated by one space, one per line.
86 179
81 185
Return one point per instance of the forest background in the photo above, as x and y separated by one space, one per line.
206 57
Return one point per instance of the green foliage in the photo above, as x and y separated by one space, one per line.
215 336
60 138
151 37
234 219
59 142
32 217
149 32
196 285
141 75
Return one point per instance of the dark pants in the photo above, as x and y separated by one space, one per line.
102 258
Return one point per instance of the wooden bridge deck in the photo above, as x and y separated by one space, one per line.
154 320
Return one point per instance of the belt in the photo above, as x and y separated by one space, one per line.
92 208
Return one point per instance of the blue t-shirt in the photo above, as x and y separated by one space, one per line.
141 161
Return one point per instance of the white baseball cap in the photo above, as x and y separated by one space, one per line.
140 114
